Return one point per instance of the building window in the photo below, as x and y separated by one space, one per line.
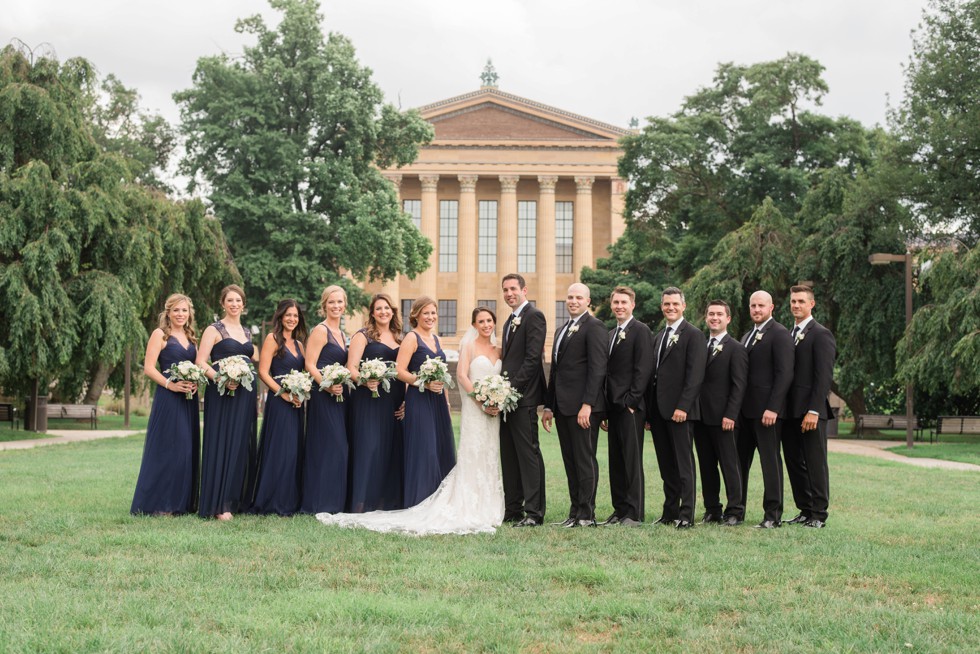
414 209
490 304
488 236
527 241
561 313
406 312
447 317
563 237
448 234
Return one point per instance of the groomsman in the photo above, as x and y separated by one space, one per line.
520 456
805 432
720 401
770 350
672 395
627 375
576 402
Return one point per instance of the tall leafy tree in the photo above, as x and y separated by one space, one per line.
287 140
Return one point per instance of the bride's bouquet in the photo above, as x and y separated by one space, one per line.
237 368
496 391
433 370
380 371
297 383
334 374
188 371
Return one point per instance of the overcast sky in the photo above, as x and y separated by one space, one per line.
608 60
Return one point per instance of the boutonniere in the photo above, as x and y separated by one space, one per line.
572 329
717 348
799 337
515 323
621 336
673 340
758 337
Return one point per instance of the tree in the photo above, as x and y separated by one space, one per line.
288 139
938 121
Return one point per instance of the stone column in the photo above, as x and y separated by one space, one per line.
466 248
390 286
428 280
582 231
506 236
546 291
617 224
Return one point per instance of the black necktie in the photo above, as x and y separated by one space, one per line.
752 336
507 327
612 344
564 337
663 346
796 330
711 344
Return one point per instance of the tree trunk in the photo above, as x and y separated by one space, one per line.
97 383
854 401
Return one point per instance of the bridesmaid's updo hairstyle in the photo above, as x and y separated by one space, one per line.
234 288
299 334
395 326
163 321
327 292
477 311
417 306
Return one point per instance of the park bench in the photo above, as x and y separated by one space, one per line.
957 425
76 412
8 413
873 422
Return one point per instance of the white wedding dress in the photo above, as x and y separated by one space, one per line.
469 500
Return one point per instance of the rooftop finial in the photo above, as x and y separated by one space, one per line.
489 76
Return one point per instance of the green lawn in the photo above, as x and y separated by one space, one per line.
897 570
108 422
966 452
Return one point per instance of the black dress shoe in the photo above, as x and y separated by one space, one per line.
568 522
798 520
527 522
731 521
711 517
769 524
612 520
683 524
663 521
814 523
513 518
630 522
584 523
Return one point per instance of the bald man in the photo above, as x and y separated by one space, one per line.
575 401
770 349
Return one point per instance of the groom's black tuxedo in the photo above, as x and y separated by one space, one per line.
578 372
520 456
722 391
805 452
627 376
675 386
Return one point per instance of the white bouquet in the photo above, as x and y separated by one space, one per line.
336 373
433 370
297 383
496 391
188 371
379 371
236 368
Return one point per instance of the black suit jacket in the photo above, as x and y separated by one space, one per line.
630 366
677 382
813 371
523 355
578 373
770 371
723 388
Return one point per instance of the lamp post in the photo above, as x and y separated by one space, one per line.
880 259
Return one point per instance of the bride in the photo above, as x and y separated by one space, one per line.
471 497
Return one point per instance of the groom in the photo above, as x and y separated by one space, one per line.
520 456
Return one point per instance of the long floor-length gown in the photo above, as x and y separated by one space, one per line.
430 451
168 476
375 441
325 457
471 497
278 482
228 451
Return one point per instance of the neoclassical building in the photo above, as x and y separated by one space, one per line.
508 185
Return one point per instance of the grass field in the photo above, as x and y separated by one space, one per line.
897 570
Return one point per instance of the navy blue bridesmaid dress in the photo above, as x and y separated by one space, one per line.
430 448
375 441
228 451
277 485
325 457
167 481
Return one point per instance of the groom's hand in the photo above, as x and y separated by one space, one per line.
546 418
584 415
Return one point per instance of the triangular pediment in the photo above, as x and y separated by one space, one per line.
490 114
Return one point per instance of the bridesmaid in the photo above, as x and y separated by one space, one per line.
430 451
325 461
167 483
277 485
228 459
374 422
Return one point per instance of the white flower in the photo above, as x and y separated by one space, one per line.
237 368
377 370
496 391
621 336
799 337
515 322
758 336
336 373
718 348
673 340
187 371
433 370
297 383
573 329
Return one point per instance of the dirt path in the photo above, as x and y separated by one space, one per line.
877 449
58 436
